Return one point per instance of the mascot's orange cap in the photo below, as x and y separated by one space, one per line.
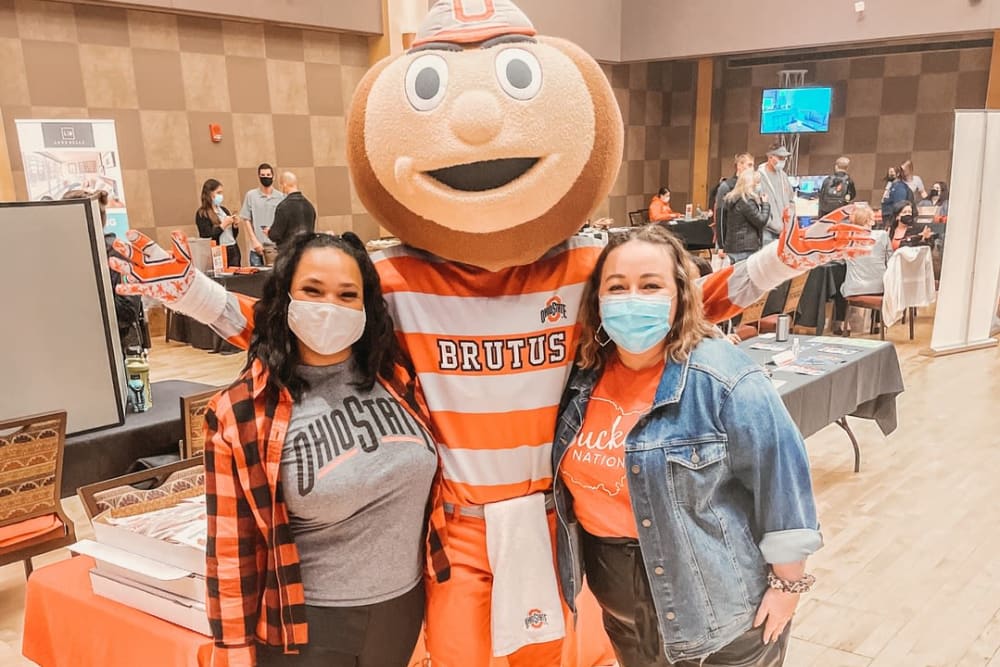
472 22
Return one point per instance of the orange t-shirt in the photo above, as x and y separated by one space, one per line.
659 211
593 467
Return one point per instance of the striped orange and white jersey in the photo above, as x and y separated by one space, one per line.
493 352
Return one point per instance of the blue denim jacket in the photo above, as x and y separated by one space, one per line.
719 481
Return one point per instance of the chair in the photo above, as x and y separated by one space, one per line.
193 409
751 315
796 287
873 302
32 520
639 218
148 489
909 284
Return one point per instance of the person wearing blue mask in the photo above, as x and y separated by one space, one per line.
215 222
682 486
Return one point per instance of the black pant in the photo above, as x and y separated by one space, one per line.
378 635
617 577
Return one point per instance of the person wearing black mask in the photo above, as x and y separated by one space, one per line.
294 215
938 198
903 232
258 210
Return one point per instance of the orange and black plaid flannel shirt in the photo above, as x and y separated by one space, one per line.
255 591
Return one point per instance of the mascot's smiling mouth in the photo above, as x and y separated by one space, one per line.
483 176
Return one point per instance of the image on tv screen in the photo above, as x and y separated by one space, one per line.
795 110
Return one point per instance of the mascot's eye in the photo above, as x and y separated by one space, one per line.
519 73
427 82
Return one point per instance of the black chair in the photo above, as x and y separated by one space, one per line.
639 218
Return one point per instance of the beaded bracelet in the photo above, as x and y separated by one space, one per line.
803 585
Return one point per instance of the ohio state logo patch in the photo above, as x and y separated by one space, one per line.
535 620
554 311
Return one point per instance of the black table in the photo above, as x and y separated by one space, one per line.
183 329
108 453
865 385
695 233
821 286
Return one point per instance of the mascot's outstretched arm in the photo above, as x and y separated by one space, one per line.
149 270
728 291
169 277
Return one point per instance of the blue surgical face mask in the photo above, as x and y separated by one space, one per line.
635 322
217 199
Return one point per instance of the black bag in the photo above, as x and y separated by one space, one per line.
834 193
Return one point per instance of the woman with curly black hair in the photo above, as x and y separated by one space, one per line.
318 471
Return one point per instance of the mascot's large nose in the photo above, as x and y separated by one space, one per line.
476 118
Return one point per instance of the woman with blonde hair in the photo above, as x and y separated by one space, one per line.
864 275
681 483
747 212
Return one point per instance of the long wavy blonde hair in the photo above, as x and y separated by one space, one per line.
746 186
690 326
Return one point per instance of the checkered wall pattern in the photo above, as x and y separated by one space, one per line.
279 94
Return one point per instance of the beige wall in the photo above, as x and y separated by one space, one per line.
280 95
347 15
593 24
633 30
652 30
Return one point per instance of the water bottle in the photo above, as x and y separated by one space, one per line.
140 398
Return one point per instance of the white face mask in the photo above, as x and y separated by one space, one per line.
325 328
780 165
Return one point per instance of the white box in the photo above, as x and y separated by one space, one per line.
176 610
180 556
120 564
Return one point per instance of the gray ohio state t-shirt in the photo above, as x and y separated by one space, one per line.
356 471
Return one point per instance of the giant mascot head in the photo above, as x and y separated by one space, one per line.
484 144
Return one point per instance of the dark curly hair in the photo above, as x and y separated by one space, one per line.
375 354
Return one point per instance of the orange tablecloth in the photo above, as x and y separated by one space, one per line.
66 625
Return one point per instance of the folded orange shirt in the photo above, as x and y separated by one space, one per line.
26 530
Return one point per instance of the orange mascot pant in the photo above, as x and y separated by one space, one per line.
458 613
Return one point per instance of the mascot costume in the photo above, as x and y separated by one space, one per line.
484 149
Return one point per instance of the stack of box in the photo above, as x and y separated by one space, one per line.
151 563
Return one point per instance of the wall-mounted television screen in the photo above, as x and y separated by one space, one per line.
795 110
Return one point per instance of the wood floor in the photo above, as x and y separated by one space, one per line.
910 575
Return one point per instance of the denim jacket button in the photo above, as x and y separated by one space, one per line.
671 616
658 570
695 458
636 470
646 523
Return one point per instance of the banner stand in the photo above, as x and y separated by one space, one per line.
970 275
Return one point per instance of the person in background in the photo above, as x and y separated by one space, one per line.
130 315
214 221
896 191
938 198
837 190
747 212
318 470
903 231
258 209
778 189
741 163
659 208
695 522
864 275
914 182
294 215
